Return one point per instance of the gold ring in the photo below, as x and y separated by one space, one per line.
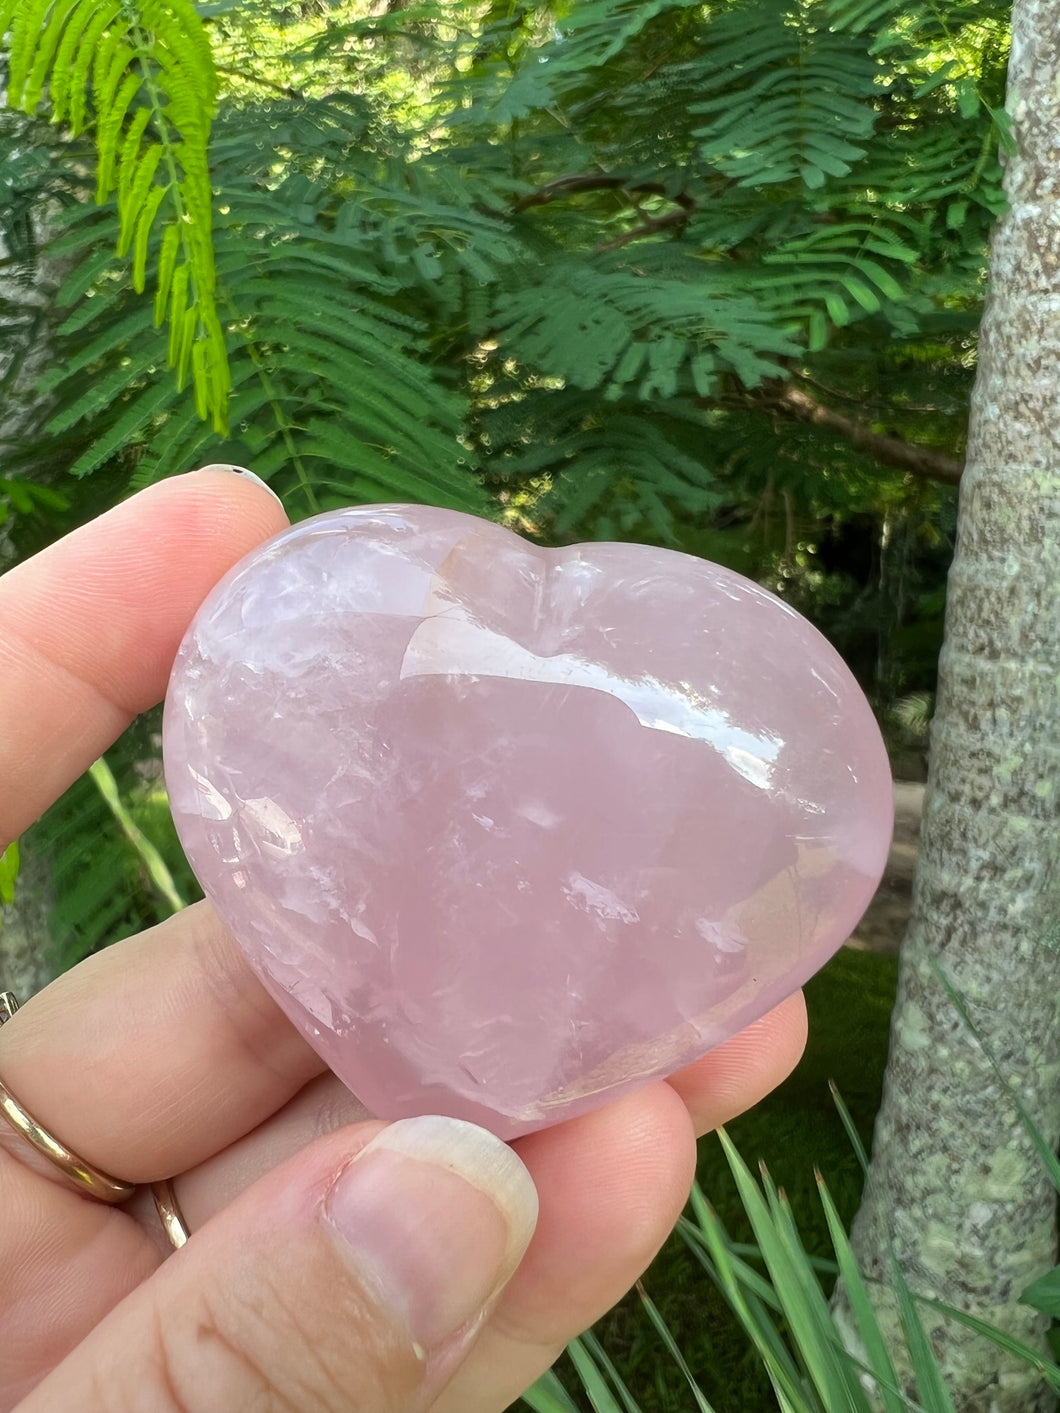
87 1179
168 1209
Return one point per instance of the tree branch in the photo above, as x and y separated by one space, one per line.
577 182
887 407
889 451
649 227
259 80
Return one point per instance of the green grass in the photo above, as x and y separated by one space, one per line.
115 861
795 1130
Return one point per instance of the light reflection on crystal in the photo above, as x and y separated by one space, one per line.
454 646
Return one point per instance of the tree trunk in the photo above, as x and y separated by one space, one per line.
24 967
955 1182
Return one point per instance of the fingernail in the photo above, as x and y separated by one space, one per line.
434 1215
241 471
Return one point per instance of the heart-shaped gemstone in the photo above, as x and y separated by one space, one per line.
505 830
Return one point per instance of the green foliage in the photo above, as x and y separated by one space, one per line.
141 77
611 329
116 865
801 106
19 497
150 856
549 1396
778 1297
435 231
586 36
8 873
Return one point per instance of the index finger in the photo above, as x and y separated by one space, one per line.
89 627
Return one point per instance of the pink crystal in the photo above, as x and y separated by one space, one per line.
510 831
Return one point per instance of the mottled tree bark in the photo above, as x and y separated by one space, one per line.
955 1182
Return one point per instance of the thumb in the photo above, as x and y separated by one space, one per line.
336 1284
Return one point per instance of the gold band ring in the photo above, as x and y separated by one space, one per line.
88 1180
168 1209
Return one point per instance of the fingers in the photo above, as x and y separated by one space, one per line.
353 1279
736 1075
611 1186
158 1019
155 1054
64 1264
161 1049
714 1090
92 624
322 1107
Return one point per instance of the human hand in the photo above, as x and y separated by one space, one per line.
337 1264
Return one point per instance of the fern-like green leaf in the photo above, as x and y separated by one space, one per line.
186 441
167 262
82 279
589 35
614 327
130 426
150 71
143 234
115 335
95 33
146 167
783 99
116 108
106 389
33 86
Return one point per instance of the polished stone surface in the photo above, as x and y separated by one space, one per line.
508 830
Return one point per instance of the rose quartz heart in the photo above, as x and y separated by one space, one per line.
509 831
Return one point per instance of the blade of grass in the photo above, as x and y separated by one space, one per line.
748 1277
692 1235
1049 1371
663 1329
811 1329
929 1382
820 1264
699 1247
764 1301
599 1353
861 1306
596 1389
850 1369
549 1396
851 1366
783 1373
761 1304
8 872
851 1132
155 864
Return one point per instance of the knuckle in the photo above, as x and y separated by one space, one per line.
336 1108
285 1340
202 1359
340 1355
287 1335
163 1367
